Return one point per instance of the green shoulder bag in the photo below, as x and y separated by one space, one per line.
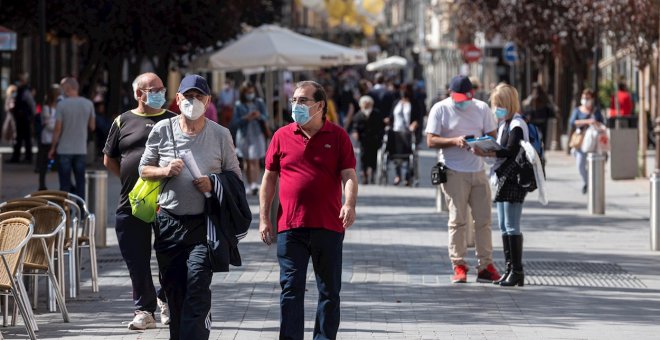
144 199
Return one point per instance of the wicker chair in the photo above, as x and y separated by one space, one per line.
19 205
84 233
72 212
39 252
5 216
14 235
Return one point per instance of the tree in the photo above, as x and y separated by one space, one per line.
110 31
568 29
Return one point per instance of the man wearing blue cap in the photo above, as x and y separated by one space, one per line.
181 247
452 121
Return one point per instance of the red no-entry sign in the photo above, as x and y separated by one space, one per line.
471 53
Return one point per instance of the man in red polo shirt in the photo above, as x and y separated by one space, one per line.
313 158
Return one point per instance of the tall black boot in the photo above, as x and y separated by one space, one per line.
517 276
507 259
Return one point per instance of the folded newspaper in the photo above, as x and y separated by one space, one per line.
191 164
485 143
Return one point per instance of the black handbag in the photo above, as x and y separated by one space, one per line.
438 174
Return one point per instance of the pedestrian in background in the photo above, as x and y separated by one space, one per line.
75 117
368 126
8 122
510 194
332 114
383 98
450 123
211 111
48 120
122 153
312 158
23 112
581 118
407 118
227 98
538 108
621 105
181 245
249 120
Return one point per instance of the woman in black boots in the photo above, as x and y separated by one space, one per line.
505 176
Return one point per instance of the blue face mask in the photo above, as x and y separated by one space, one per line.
155 100
462 105
249 96
300 114
501 112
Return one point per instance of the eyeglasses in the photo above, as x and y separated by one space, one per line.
155 90
195 95
301 100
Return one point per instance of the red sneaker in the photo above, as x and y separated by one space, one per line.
488 275
460 274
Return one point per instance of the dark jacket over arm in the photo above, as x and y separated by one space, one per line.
228 220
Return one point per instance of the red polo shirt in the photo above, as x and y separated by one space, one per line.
310 175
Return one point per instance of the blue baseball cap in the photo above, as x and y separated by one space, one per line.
193 81
461 88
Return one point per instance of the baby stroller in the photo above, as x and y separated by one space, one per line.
398 147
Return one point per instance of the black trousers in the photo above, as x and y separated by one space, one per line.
23 138
186 273
134 238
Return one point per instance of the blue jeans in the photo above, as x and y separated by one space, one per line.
509 214
72 163
581 162
294 248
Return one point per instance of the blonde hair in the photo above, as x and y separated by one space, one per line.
10 90
505 96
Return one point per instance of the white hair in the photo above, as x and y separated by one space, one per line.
135 87
139 82
365 100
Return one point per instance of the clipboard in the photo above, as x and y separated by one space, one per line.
485 143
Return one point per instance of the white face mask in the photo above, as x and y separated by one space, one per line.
192 109
586 102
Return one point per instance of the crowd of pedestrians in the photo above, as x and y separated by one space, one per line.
231 141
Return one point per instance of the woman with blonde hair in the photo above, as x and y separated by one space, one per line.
509 195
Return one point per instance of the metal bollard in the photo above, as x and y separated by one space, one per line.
596 205
440 203
655 211
96 195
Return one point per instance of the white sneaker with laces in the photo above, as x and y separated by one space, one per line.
164 312
142 320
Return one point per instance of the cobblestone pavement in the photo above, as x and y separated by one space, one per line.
588 277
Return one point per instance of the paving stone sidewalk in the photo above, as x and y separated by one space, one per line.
588 277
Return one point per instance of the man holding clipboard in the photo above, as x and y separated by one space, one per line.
451 123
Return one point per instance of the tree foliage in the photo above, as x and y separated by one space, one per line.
111 31
567 27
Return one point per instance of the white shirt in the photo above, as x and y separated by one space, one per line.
48 124
401 117
447 121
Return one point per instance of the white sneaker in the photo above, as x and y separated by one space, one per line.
164 312
142 320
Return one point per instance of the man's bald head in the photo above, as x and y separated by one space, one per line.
143 81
